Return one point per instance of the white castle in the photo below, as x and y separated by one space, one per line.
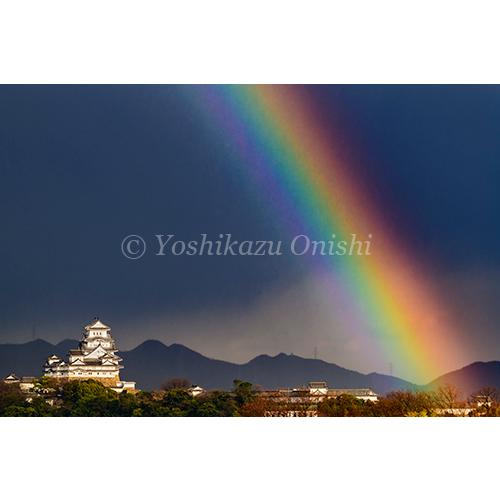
95 358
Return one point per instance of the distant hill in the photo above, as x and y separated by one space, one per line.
27 359
471 378
152 363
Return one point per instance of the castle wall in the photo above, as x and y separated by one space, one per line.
106 381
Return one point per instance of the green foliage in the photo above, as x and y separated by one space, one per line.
10 395
394 404
346 405
216 404
243 392
406 404
37 407
89 398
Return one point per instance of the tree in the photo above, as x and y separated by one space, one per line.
88 398
243 392
404 404
176 383
446 398
215 404
176 403
345 405
486 396
486 402
258 407
10 395
41 407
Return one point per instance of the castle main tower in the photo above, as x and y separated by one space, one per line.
95 358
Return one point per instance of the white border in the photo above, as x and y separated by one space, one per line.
241 458
259 41
253 42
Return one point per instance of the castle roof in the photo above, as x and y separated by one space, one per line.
97 324
96 353
353 392
317 385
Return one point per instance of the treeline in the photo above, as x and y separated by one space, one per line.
90 398
444 402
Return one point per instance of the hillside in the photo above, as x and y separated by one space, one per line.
152 362
471 378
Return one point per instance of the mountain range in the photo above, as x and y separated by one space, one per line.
152 363
471 378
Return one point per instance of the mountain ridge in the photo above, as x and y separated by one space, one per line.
471 378
152 362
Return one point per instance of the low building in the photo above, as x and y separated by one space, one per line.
364 394
321 389
303 401
318 388
95 359
26 384
11 378
195 390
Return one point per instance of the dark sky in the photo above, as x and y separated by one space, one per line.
83 166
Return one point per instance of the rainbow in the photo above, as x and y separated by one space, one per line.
290 154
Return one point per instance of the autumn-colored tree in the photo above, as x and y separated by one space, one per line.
486 396
404 404
447 399
255 408
176 383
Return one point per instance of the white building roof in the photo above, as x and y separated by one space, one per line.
96 353
317 385
97 324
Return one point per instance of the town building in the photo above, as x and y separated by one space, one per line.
11 378
318 388
303 401
364 394
95 358
195 390
322 390
26 384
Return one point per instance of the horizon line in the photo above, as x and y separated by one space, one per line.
252 359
